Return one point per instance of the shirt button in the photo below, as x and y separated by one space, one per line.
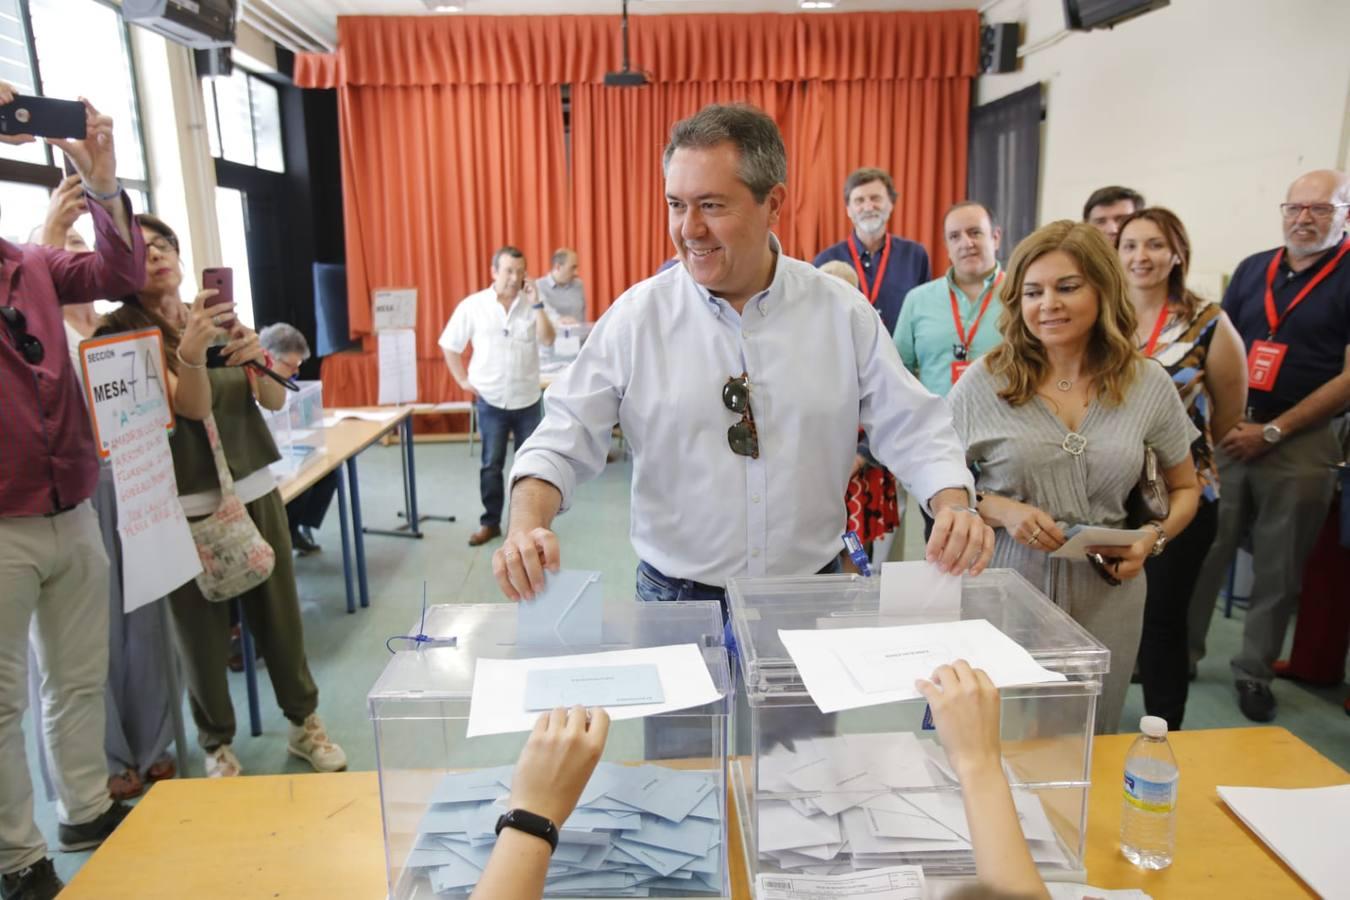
755 498
754 552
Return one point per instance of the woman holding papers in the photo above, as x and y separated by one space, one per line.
230 394
1055 422
1199 347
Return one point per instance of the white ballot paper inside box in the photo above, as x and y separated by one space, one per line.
847 668
893 883
500 700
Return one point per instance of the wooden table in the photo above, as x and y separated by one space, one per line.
301 836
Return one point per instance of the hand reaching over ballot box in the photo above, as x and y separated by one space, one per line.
966 708
553 769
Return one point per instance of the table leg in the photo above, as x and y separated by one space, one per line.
170 654
346 551
250 672
360 541
411 527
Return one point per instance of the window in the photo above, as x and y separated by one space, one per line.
244 116
66 49
230 215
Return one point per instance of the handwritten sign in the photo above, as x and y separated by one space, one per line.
394 308
158 553
125 384
127 393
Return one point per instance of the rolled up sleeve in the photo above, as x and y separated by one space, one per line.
114 270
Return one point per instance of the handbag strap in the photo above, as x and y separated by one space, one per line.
218 454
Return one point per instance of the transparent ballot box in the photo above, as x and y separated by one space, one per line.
870 787
297 428
652 821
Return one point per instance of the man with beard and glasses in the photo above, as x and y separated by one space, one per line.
1292 307
888 266
951 321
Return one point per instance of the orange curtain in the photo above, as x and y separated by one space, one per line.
435 179
452 142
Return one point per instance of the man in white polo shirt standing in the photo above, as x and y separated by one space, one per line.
505 323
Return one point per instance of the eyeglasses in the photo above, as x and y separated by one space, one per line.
1104 569
28 345
742 436
1318 210
163 245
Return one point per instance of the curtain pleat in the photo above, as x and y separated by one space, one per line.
452 143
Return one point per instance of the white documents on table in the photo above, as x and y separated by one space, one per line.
848 668
365 415
1306 827
1086 536
837 804
919 588
500 686
894 883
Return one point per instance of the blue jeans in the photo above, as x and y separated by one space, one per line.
495 426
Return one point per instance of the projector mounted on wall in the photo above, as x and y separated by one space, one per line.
625 77
1085 15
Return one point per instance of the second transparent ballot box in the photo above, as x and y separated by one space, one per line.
651 822
870 787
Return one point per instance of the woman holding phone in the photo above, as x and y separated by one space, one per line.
1055 421
230 394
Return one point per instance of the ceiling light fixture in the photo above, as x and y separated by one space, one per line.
817 4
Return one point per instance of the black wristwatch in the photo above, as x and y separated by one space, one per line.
530 823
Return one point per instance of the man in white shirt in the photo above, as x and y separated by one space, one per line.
739 378
561 289
505 322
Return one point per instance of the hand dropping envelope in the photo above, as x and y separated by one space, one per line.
882 661
568 612
919 588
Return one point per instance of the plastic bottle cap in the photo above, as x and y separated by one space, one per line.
1153 726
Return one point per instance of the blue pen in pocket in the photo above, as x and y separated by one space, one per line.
856 553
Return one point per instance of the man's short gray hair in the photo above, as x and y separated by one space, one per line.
754 135
280 338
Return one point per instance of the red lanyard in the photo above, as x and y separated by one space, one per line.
967 339
1275 321
1157 330
871 294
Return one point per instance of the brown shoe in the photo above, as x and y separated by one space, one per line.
484 534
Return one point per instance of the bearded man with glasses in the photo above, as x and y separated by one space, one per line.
1292 307
53 568
739 378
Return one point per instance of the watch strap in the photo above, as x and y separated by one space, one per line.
530 823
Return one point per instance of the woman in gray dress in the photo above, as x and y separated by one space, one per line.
1055 421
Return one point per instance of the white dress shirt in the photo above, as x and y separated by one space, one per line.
819 362
504 370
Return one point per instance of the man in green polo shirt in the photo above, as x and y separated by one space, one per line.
949 322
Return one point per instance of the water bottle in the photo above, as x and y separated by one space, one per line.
1148 811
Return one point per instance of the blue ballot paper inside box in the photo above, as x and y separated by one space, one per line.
637 831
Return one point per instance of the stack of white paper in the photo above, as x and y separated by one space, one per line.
1306 827
637 830
848 668
862 801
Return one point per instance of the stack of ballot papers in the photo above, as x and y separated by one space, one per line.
638 831
861 801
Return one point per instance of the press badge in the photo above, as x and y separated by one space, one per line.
1263 364
959 368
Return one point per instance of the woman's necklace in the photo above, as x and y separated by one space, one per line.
1064 385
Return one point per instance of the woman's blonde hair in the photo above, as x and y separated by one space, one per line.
1111 354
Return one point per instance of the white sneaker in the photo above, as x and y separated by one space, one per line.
310 742
222 763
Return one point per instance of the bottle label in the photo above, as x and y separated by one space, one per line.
1150 796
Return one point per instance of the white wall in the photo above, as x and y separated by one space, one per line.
1209 107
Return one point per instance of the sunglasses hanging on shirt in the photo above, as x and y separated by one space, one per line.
28 345
742 437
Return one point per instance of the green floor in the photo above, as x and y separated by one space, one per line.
347 653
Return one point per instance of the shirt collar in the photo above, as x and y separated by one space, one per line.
715 304
863 252
993 276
